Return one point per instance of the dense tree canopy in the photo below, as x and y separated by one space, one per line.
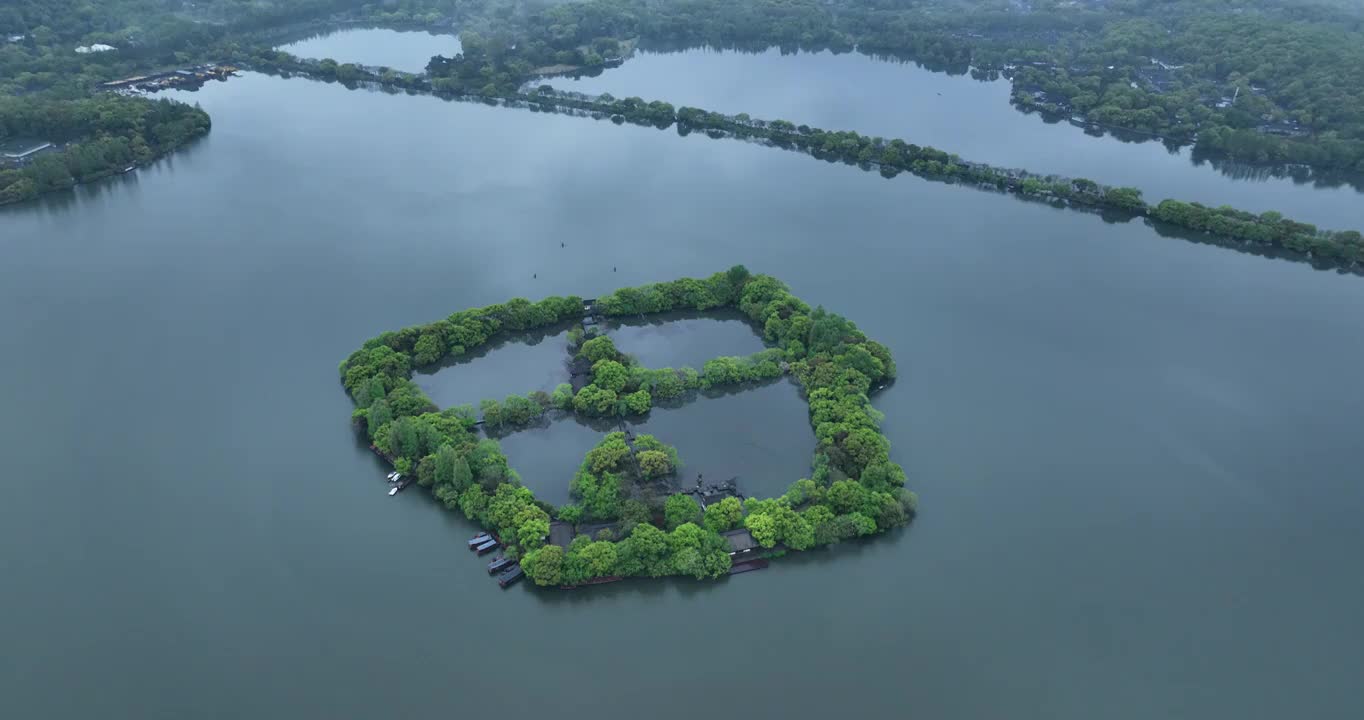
98 136
855 488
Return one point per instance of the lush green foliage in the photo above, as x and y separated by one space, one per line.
724 515
855 488
1266 229
597 487
516 411
98 137
681 509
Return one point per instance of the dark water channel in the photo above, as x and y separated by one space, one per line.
1137 457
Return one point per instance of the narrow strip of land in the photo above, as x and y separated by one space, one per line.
1267 233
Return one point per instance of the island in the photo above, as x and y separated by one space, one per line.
631 517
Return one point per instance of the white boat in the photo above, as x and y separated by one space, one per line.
393 476
392 491
396 477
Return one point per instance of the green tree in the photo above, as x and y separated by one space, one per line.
801 492
429 349
595 401
600 558
545 565
520 410
562 397
473 502
654 463
645 552
632 513
864 524
680 509
638 402
462 476
598 349
608 454
698 552
845 496
444 470
426 471
599 495
610 375
796 531
575 565
531 533
865 446
763 528
492 413
379 416
724 515
883 476
1124 197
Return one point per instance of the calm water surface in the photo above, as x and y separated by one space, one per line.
765 432
677 340
408 51
1137 457
764 437
954 113
546 457
514 366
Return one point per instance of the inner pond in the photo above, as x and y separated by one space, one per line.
405 50
758 436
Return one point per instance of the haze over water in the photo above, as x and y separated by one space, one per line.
1137 457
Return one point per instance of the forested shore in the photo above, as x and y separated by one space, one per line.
94 138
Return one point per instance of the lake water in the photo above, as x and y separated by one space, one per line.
766 441
546 457
1137 457
408 51
765 432
511 366
953 113
677 340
